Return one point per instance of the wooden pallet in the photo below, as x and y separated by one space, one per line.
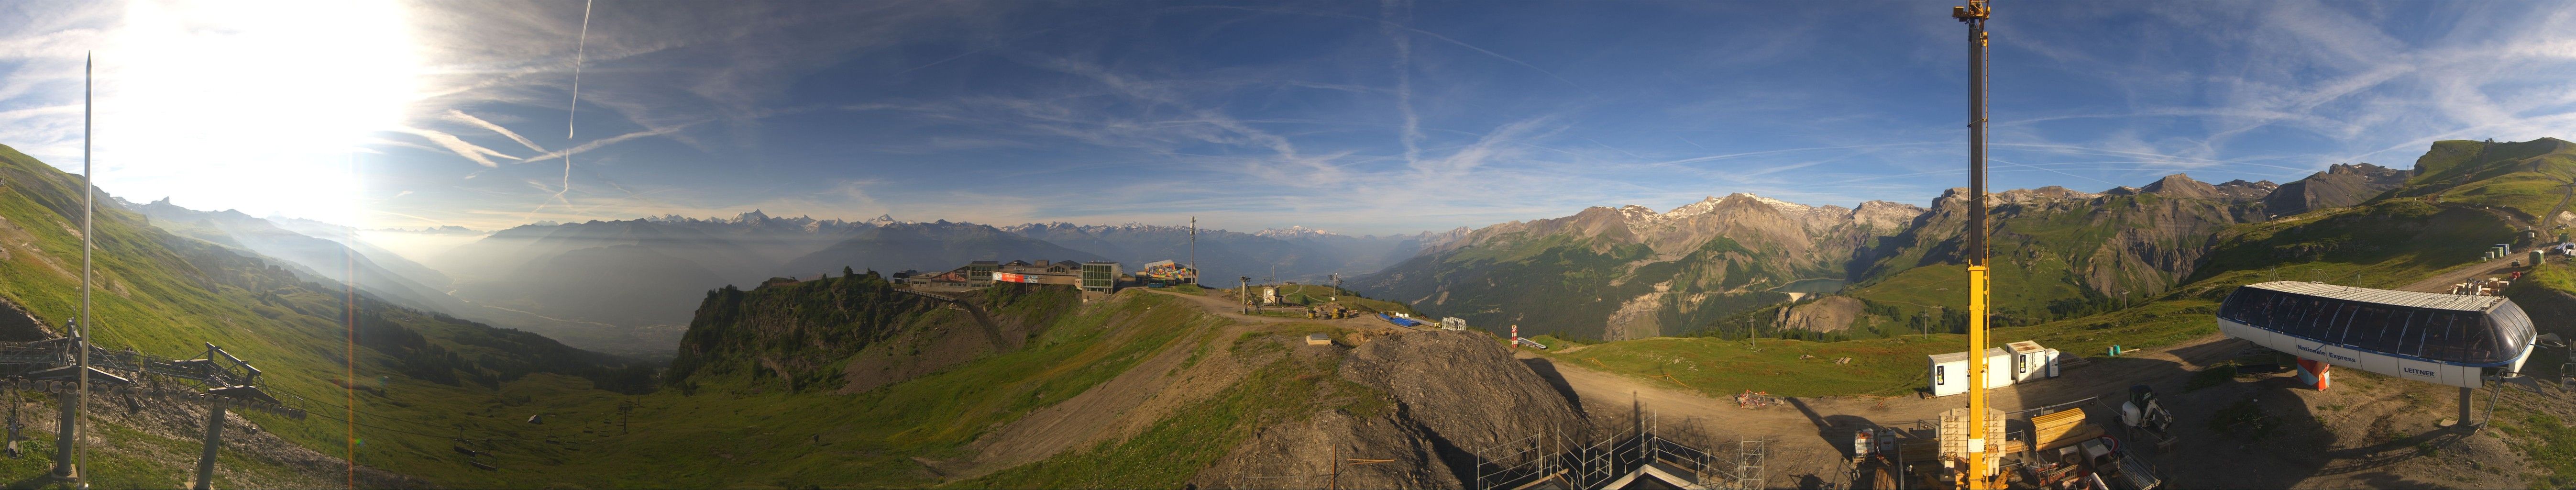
2061 429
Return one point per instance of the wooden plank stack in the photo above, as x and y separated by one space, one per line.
2062 429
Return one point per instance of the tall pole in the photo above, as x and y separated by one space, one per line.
1194 250
67 436
1975 15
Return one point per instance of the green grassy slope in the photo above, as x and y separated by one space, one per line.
1166 454
2525 177
167 296
1568 286
741 429
2051 260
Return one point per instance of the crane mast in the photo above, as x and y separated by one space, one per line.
1975 14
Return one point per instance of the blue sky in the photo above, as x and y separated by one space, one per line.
1346 116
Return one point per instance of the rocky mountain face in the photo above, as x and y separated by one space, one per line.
1631 272
2055 250
2340 185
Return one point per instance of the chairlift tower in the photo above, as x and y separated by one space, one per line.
1975 15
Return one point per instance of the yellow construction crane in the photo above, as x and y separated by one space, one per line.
1975 14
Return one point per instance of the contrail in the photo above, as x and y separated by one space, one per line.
461 116
580 47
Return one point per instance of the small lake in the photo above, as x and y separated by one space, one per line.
1813 286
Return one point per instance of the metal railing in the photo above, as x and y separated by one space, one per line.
1533 460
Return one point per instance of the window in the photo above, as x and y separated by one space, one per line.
2401 329
2478 341
2244 304
2442 340
2376 329
2359 325
2283 309
2412 343
2512 328
2294 319
2321 320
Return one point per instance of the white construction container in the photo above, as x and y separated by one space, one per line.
2031 361
1950 371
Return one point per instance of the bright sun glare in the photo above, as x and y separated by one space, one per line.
255 105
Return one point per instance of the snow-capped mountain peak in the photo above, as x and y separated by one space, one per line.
1294 231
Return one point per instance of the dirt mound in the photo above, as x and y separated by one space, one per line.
1456 395
1464 387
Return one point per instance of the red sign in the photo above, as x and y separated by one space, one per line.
1009 277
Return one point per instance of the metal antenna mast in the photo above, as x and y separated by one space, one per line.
1194 250
1975 15
67 436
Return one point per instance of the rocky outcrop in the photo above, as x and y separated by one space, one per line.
1629 272
1457 396
1886 215
2241 191
1826 314
1464 388
2138 239
2340 185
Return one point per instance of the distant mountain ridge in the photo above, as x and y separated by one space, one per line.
2340 185
647 273
1631 272
319 259
1628 272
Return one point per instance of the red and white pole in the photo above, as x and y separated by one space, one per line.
1516 335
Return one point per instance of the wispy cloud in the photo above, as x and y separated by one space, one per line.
461 116
458 146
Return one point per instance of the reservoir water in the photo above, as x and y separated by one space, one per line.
1813 286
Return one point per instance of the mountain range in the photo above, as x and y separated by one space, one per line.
1614 273
604 277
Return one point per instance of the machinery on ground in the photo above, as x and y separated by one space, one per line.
2147 419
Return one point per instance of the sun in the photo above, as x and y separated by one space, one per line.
260 106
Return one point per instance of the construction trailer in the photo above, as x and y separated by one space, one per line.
2032 362
1950 371
1453 323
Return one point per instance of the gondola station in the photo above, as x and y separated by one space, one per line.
2452 339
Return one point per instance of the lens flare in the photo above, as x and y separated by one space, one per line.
260 106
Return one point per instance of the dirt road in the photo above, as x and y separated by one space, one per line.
1226 306
2441 283
1809 439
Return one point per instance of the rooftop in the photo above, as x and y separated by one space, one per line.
2438 301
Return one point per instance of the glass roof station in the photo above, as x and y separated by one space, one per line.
2440 338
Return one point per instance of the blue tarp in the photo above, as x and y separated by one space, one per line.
1400 322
